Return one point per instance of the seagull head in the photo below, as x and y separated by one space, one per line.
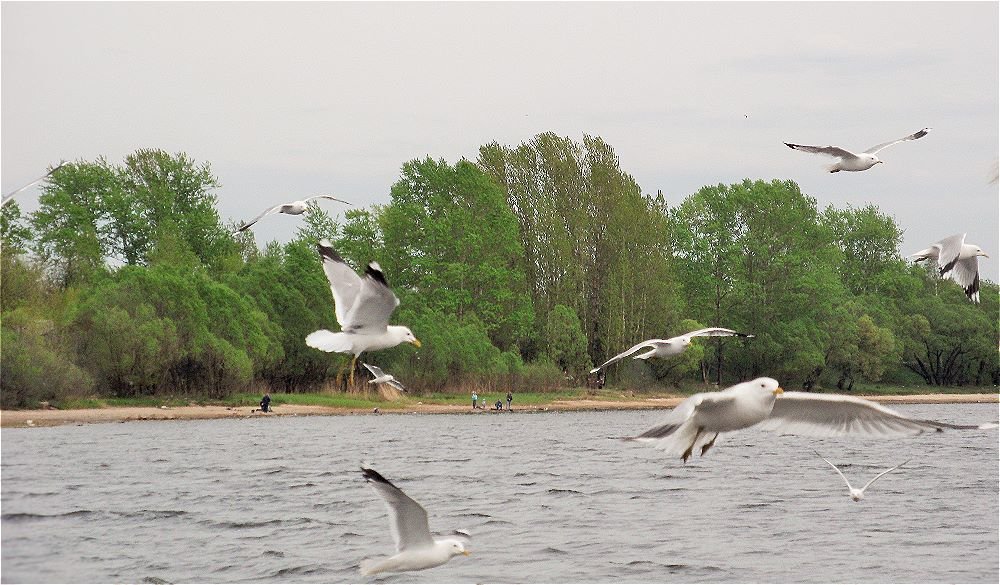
409 337
979 252
455 547
766 386
857 495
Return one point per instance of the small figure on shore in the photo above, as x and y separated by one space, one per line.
265 403
498 405
509 398
475 399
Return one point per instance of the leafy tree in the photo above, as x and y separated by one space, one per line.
565 343
14 234
36 366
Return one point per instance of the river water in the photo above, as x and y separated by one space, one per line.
548 497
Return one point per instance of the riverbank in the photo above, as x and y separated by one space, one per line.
55 417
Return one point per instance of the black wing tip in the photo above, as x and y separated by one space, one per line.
921 133
325 249
790 145
372 475
375 271
747 335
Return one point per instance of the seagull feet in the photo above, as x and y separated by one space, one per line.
708 445
687 454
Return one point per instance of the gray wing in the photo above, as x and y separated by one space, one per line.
966 273
883 473
373 305
677 417
630 351
269 211
835 468
330 197
914 136
397 384
717 332
827 150
407 518
831 415
948 251
344 282
10 195
375 370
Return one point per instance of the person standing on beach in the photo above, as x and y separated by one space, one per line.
475 399
265 403
509 398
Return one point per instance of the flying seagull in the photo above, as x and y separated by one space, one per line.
293 208
698 421
858 494
383 378
10 195
956 260
416 549
661 348
850 161
362 306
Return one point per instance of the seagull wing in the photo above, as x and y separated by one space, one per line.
396 384
10 195
330 197
717 332
269 211
677 417
831 415
837 469
914 136
883 473
344 282
948 251
630 351
407 518
375 370
827 150
374 304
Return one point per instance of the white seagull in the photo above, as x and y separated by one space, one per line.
858 494
416 549
661 348
363 307
850 161
956 260
698 421
383 378
293 208
10 195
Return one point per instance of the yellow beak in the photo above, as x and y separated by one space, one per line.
466 553
416 342
778 390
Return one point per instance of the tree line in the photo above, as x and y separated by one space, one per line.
518 270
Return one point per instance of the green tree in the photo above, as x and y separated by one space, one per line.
565 343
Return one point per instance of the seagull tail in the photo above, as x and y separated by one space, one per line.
329 341
922 255
834 168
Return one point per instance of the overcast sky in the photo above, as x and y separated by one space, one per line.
288 100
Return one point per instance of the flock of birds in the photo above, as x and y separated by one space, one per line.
363 305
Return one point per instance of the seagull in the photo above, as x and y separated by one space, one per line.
661 348
10 195
858 494
850 161
293 208
698 421
362 306
416 549
383 378
957 261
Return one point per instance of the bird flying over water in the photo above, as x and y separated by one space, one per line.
858 494
416 549
293 208
10 195
698 421
850 161
956 260
382 378
661 348
363 307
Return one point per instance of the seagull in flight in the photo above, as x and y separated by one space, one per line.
661 348
10 195
858 494
383 378
416 549
956 260
850 161
363 307
293 208
698 421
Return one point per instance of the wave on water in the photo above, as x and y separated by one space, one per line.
565 491
29 516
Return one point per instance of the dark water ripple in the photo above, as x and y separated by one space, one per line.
548 498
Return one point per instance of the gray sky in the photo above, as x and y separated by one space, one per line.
289 100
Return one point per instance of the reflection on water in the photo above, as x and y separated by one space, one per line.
548 497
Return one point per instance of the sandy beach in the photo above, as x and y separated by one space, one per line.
54 417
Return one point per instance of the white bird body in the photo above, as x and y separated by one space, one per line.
851 161
382 378
662 348
416 549
858 494
698 420
957 261
293 208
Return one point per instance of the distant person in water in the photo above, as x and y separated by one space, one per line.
509 398
265 403
475 399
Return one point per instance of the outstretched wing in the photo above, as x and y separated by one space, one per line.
344 282
883 473
835 468
914 136
330 197
827 150
831 415
629 351
373 305
269 211
10 195
396 384
717 332
407 518
375 370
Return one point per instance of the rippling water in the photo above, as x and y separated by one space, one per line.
548 497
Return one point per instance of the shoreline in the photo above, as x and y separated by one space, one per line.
55 417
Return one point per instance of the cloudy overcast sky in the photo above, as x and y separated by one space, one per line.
287 100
